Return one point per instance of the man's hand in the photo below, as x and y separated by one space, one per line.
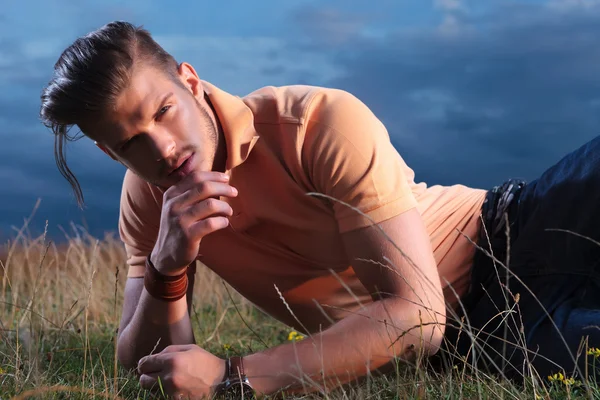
191 210
184 370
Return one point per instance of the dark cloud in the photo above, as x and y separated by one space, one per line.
489 93
17 112
9 48
29 173
23 76
482 97
275 70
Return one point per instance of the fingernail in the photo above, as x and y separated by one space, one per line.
234 190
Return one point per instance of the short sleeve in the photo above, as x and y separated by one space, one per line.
348 155
139 221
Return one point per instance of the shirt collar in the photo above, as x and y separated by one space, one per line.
237 121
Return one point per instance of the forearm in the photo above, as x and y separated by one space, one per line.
348 350
155 325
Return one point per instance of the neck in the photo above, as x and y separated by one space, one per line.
219 163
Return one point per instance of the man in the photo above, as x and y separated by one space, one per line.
296 197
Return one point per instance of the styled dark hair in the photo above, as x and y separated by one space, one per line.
88 77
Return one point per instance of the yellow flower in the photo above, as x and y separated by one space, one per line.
556 377
226 346
561 378
592 351
569 381
295 336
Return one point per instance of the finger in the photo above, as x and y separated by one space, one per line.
208 226
204 190
208 208
201 176
157 389
149 381
152 363
195 177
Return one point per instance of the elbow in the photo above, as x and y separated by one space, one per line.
433 331
425 332
127 362
126 354
433 342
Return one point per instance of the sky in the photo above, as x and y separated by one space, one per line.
471 92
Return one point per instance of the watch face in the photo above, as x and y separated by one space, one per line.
240 390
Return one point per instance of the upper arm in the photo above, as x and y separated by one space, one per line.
349 157
139 221
139 218
395 260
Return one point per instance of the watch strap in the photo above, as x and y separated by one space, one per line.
235 375
235 368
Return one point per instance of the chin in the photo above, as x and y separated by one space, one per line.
204 167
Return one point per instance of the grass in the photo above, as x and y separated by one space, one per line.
60 309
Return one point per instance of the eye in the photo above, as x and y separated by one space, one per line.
162 111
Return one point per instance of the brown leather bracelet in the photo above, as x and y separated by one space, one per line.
164 287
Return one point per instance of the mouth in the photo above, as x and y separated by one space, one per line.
183 167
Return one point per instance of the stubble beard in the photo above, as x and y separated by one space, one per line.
212 140
208 162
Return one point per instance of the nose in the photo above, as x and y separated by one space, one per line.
164 146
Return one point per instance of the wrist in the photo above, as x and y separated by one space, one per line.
164 287
221 377
235 383
162 267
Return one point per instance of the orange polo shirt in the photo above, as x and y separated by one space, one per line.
282 144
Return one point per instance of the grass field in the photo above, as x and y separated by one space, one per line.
60 308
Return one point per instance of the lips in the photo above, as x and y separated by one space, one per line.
184 167
180 162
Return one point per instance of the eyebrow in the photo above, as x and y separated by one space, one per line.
161 104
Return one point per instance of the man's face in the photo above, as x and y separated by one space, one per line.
160 130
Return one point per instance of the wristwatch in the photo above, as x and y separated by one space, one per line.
235 384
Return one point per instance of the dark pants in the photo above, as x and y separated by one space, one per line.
549 299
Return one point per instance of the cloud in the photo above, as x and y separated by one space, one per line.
573 4
471 92
508 93
242 64
329 25
28 183
448 4
25 67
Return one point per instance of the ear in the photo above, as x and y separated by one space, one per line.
105 150
190 79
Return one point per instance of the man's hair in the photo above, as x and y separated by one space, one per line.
88 77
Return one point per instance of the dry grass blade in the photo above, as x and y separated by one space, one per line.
76 298
62 389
